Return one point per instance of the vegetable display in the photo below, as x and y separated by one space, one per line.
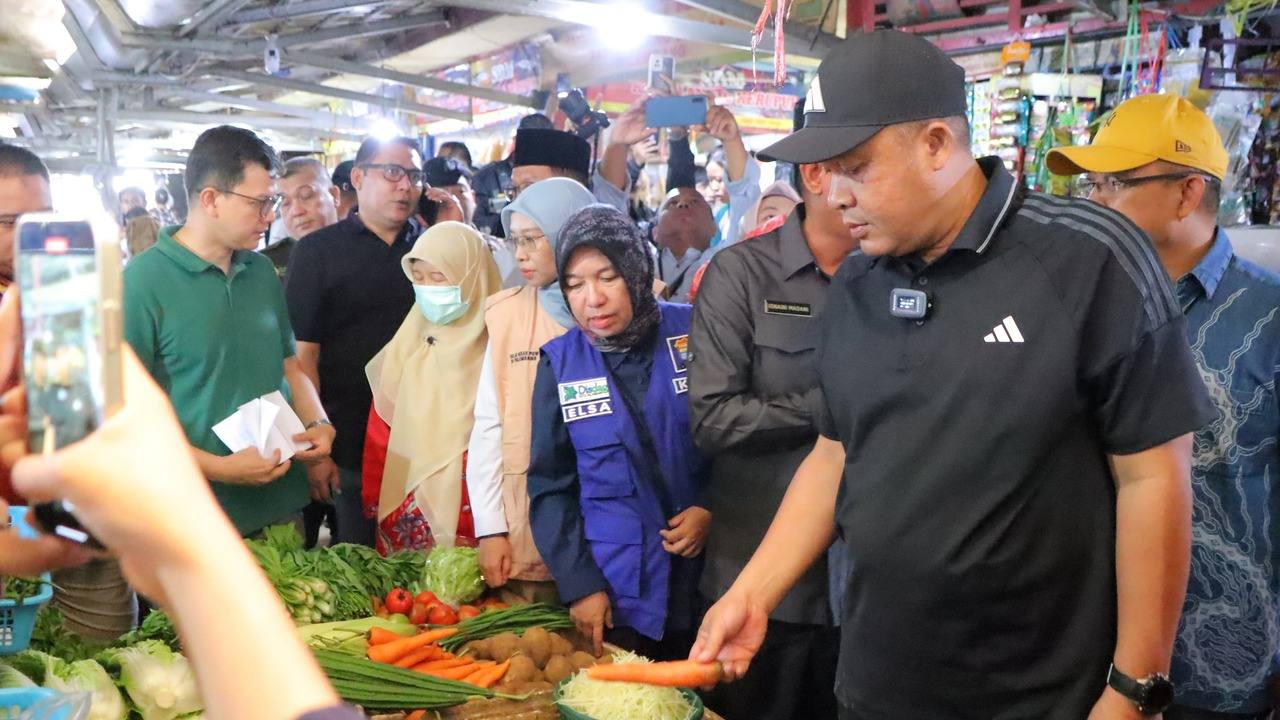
386 687
159 681
514 619
605 700
330 583
20 588
453 574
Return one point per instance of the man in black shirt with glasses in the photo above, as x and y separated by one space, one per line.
347 295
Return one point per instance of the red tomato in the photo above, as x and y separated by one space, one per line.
419 614
466 612
426 597
442 615
399 601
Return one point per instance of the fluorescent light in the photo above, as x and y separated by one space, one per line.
384 129
621 26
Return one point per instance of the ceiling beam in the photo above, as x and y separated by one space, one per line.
338 65
321 118
326 91
238 48
302 8
585 12
738 11
186 117
210 16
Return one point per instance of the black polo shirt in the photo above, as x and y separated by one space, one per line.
348 292
977 501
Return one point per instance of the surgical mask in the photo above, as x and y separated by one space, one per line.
441 304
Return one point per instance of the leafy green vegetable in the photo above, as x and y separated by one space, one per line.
158 681
20 588
155 626
349 636
89 677
453 574
11 678
51 636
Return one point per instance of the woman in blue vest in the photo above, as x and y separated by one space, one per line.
617 491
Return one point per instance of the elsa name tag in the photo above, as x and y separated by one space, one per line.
584 399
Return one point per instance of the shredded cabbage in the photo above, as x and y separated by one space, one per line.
608 700
453 574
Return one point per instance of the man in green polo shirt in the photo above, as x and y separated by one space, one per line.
206 315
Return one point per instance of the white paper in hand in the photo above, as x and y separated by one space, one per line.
266 424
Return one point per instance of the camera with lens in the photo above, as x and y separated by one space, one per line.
587 121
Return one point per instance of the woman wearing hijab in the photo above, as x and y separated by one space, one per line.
423 392
520 321
617 490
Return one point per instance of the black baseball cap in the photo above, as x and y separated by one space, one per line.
867 82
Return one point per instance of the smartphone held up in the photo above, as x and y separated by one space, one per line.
69 280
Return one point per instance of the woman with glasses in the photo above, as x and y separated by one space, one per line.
520 320
423 393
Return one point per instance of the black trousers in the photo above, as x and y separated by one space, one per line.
791 678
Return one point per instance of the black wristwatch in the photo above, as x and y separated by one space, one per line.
1152 694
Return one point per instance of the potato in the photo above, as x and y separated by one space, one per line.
560 645
509 686
558 668
502 647
538 676
522 669
582 660
478 649
605 659
536 643
538 686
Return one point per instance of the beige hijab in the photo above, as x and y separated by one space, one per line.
424 383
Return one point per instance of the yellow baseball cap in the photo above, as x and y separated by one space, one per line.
1143 130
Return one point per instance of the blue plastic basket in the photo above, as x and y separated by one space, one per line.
14 702
18 618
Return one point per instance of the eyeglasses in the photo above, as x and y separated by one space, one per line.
267 206
1111 185
525 242
393 173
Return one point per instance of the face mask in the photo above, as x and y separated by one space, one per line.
441 304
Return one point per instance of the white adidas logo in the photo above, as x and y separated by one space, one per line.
1006 332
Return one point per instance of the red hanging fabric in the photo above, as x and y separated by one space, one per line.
780 15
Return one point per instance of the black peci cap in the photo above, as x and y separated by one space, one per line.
867 82
554 148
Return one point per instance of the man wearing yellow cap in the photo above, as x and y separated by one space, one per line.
1159 160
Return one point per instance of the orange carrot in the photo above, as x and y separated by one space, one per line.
480 670
460 672
444 664
392 651
417 657
488 677
416 715
679 673
378 636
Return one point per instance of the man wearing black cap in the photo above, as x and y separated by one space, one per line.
1008 397
492 183
347 199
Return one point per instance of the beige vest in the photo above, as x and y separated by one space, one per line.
518 328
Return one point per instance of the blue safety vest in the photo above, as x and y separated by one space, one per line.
621 511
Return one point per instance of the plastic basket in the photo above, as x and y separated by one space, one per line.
18 618
42 704
568 713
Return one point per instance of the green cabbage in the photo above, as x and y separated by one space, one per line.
88 676
11 678
159 681
453 574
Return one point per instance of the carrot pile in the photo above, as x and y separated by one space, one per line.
422 653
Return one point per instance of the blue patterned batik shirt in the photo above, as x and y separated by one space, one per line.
1230 628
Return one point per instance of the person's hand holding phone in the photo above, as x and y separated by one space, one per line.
721 124
248 467
630 127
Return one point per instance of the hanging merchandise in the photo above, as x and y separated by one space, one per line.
780 16
1010 107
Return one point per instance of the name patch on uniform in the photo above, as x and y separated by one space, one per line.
679 347
524 356
582 411
580 391
681 384
777 307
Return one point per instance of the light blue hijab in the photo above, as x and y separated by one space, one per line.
550 203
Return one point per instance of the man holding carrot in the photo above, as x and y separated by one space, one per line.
1008 399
